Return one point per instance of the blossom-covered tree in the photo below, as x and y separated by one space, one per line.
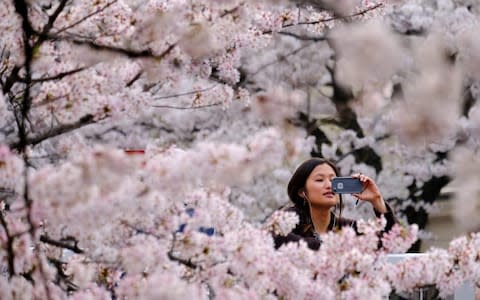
142 141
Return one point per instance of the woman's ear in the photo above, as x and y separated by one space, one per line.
301 193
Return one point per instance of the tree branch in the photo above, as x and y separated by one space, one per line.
86 17
182 261
21 8
231 11
10 252
360 13
10 80
303 37
126 52
85 120
51 21
188 107
185 262
135 78
65 243
115 50
185 94
55 77
61 276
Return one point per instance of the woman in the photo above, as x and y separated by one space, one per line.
310 190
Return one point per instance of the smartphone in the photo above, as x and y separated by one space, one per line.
346 185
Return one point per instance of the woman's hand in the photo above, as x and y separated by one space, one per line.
370 193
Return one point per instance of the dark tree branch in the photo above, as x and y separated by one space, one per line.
135 78
61 276
116 50
185 262
182 261
185 94
114 129
86 17
10 252
342 96
231 11
188 107
428 193
7 196
2 54
22 9
94 46
153 126
126 52
10 80
69 243
171 256
360 13
5 66
303 37
55 77
99 136
51 21
64 128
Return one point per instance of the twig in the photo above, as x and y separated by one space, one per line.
10 80
231 11
186 93
86 17
63 243
184 262
188 107
303 37
135 78
360 13
84 121
51 21
61 276
55 77
127 52
10 252
171 256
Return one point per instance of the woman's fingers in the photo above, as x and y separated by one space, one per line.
370 190
362 177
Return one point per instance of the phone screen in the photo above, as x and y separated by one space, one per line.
346 185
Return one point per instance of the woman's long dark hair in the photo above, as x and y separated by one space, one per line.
297 183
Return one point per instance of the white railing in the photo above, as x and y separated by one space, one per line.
464 292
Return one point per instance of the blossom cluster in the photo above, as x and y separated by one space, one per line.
281 222
214 93
202 245
447 269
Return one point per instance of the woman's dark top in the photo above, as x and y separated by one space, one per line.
306 232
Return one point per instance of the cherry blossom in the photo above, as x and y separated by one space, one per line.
146 142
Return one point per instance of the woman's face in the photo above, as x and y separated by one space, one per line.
319 187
